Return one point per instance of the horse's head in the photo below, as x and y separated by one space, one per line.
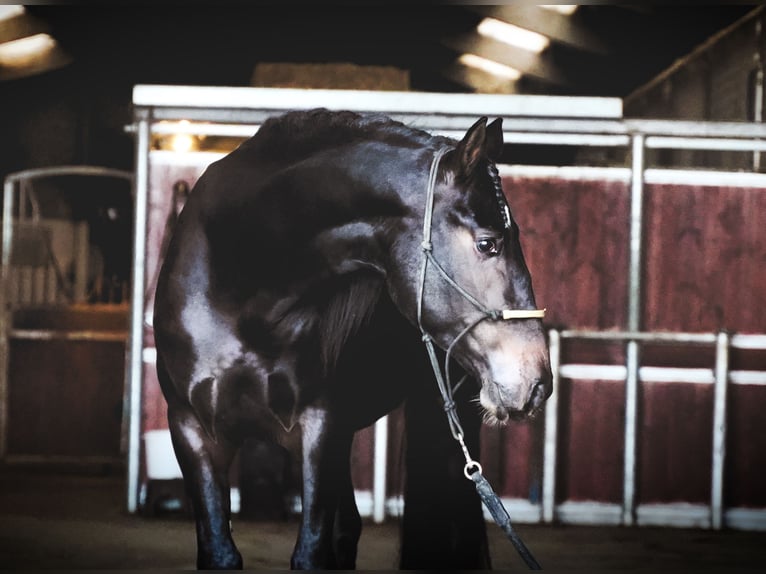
475 270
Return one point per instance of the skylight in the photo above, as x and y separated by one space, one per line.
513 35
565 9
24 51
489 66
10 11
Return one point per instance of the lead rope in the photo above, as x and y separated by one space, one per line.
472 469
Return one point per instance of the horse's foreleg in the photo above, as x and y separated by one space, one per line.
325 453
205 465
348 523
443 526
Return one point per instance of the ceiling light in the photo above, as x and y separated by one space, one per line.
11 11
565 9
513 35
23 52
183 141
489 66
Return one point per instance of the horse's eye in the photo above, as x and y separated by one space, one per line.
487 246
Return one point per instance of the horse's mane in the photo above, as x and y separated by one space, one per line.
298 134
341 307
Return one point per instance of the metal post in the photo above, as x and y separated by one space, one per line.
758 88
719 429
634 324
5 310
636 232
551 430
631 409
379 470
135 353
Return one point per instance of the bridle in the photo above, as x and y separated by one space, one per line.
472 469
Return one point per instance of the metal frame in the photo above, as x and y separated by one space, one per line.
527 120
714 516
7 332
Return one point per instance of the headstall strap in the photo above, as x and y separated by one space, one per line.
472 470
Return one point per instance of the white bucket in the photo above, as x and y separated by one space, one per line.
161 462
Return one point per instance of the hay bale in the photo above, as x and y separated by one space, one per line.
339 76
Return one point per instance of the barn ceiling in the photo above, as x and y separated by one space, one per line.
598 49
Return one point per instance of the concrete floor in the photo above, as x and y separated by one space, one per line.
75 521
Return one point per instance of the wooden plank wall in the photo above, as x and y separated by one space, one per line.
704 254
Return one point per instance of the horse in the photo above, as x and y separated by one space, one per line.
304 273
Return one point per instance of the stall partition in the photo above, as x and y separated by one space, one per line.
651 276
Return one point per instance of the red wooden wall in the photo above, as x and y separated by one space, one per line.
704 255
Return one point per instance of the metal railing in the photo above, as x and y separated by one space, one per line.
632 374
238 112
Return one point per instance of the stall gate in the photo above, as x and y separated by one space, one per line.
652 279
62 354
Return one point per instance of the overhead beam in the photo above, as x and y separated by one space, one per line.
558 27
19 27
526 62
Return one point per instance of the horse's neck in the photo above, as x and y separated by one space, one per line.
328 215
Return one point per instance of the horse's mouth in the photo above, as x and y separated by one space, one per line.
499 412
501 415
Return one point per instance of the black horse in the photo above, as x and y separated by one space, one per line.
305 270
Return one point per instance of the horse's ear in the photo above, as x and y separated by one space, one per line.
495 140
472 146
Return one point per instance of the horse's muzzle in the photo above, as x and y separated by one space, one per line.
501 405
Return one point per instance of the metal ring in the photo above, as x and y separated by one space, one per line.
469 465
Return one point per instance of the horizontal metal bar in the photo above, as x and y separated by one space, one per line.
589 513
567 172
720 144
594 140
648 374
674 514
443 121
696 129
246 130
676 375
167 157
738 341
43 172
652 176
757 378
753 342
704 177
56 335
645 336
427 121
679 515
593 372
203 129
384 101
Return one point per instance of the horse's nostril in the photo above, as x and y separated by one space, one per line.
539 393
